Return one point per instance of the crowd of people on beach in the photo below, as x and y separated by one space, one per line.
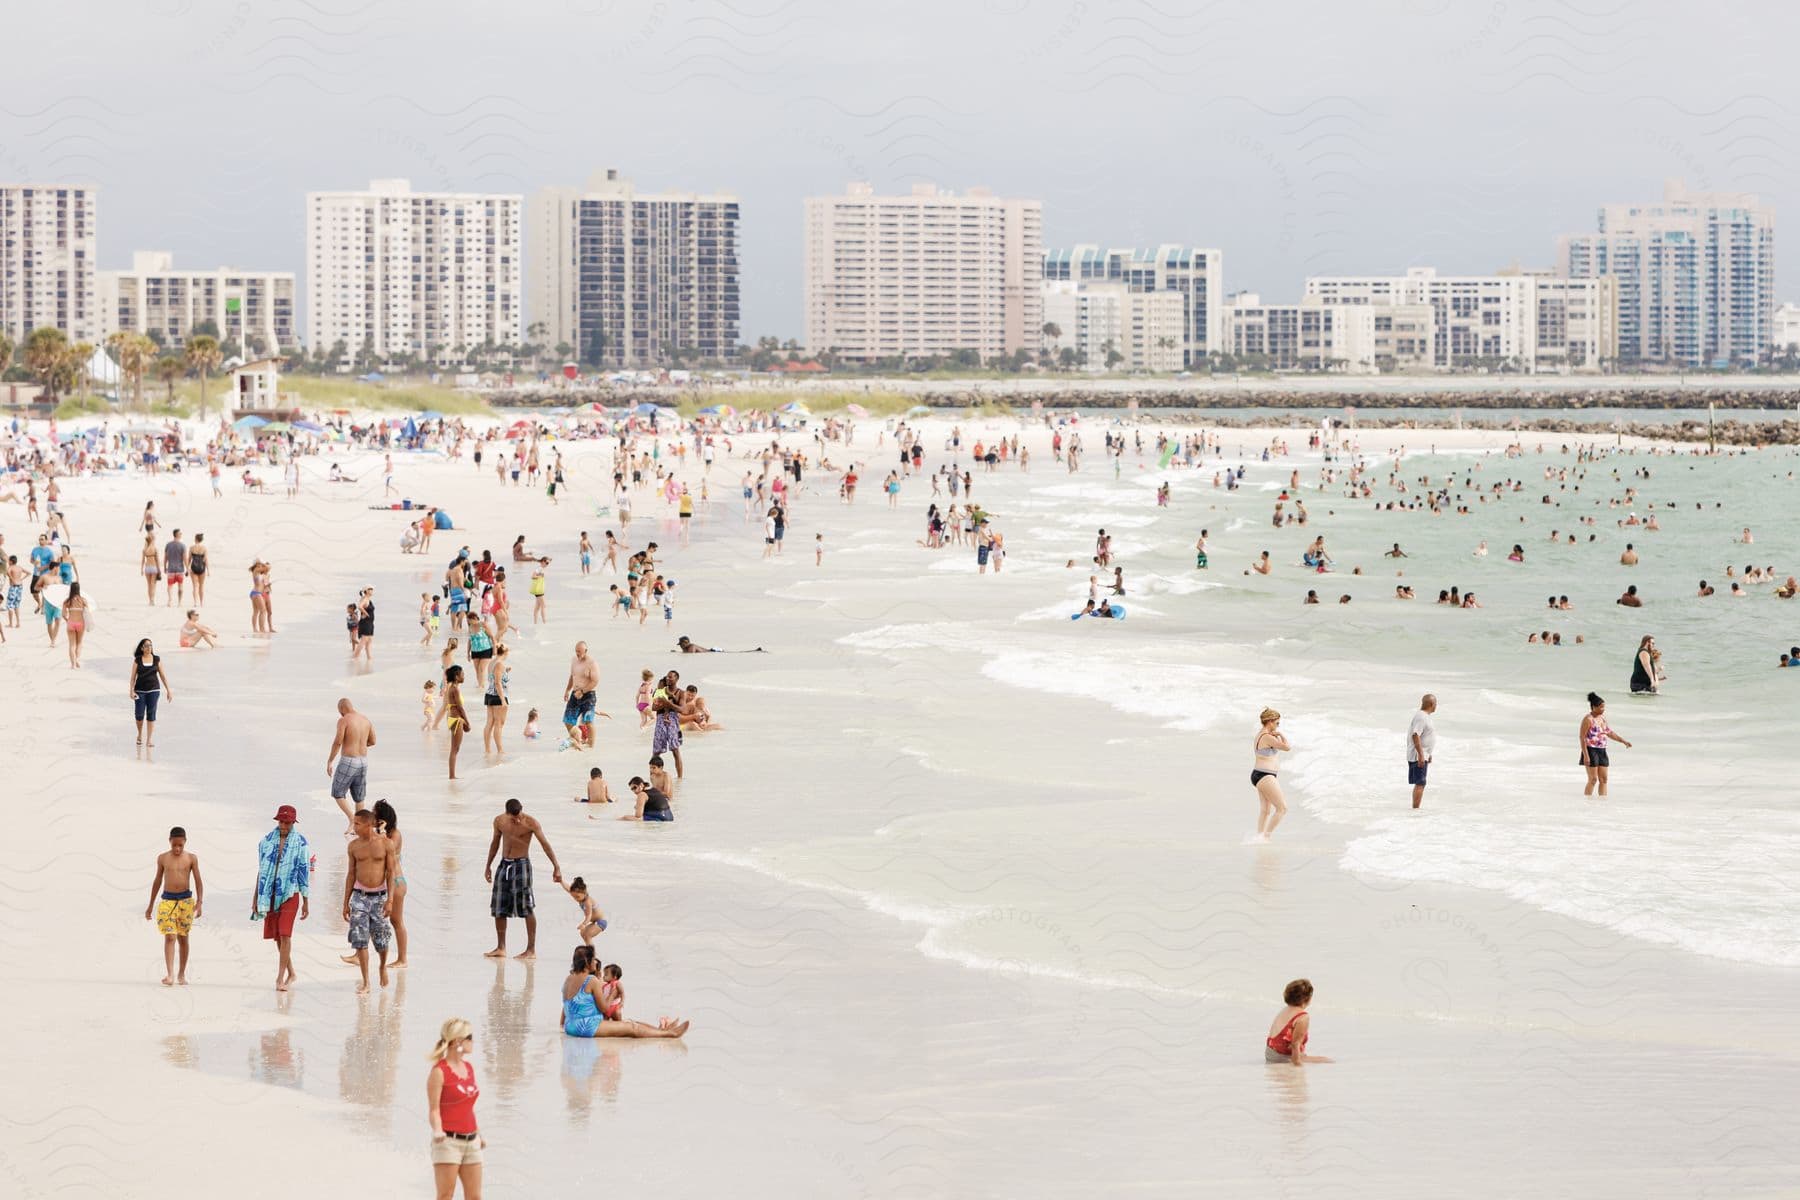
663 478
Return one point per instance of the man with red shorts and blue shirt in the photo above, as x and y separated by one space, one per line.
283 888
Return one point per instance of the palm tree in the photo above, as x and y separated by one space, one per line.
135 353
203 357
6 352
45 350
168 369
74 369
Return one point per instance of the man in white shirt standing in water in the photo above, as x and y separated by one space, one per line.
1421 742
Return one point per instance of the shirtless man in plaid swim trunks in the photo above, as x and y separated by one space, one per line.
352 739
512 897
175 896
366 887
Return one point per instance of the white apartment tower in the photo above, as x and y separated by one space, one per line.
47 260
1144 329
1526 321
1195 273
1480 320
431 274
630 280
926 274
1308 336
254 309
1696 275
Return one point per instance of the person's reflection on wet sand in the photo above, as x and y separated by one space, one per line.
508 1028
590 1067
1265 871
369 1065
276 1060
1288 1092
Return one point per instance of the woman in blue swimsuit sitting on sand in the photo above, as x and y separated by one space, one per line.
581 1006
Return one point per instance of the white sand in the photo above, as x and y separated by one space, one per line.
877 903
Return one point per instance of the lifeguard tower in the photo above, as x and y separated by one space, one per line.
256 392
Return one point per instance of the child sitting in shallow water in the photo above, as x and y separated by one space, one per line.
597 791
659 778
531 725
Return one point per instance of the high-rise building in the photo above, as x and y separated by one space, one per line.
1527 321
1310 336
254 309
433 274
1478 320
47 239
1197 274
628 280
923 275
1695 273
1577 321
1098 321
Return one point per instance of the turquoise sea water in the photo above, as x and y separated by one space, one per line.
1700 839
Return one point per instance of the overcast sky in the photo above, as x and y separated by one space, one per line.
1300 137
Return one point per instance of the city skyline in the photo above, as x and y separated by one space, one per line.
1133 124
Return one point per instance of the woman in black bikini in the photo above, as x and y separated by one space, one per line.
197 568
1270 741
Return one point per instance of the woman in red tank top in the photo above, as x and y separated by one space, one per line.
1291 1027
450 1094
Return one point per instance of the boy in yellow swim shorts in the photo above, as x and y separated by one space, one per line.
176 896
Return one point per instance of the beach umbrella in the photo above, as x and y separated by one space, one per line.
247 423
795 407
431 414
711 410
646 410
277 427
857 410
725 410
308 427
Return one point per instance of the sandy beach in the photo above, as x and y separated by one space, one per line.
959 901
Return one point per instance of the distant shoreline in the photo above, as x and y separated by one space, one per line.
1265 407
1022 394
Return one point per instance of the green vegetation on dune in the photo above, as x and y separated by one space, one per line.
326 393
181 398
